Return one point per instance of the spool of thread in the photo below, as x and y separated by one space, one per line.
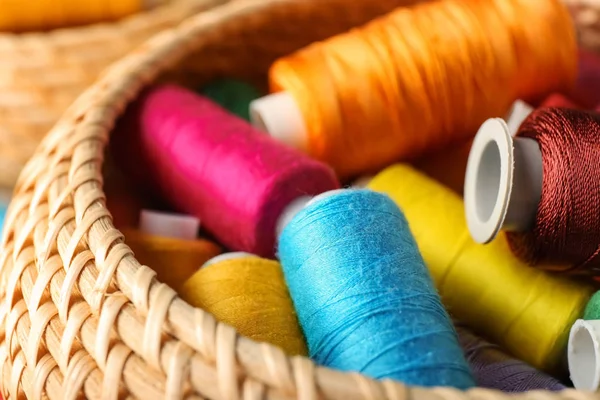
364 298
525 310
403 85
542 188
494 369
233 95
592 310
520 110
213 165
174 260
250 294
33 15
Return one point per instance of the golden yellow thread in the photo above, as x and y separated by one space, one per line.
422 77
174 260
30 15
526 310
249 294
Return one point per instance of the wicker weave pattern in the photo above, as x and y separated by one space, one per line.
41 74
79 316
586 14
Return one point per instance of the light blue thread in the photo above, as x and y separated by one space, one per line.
363 295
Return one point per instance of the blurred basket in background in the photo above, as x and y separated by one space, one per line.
42 73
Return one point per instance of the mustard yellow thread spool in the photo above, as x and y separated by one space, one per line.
250 294
527 311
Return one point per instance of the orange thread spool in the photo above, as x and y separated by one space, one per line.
173 260
30 15
423 77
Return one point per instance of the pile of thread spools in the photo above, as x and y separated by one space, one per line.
326 217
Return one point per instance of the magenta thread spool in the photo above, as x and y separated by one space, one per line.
206 162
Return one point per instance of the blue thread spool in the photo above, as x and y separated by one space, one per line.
363 295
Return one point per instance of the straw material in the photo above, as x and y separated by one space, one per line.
80 317
41 74
586 14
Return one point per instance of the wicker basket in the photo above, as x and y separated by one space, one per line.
41 74
80 317
586 14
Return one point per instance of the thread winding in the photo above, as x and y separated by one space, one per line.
494 369
525 310
174 260
566 231
364 297
208 163
422 77
249 294
21 16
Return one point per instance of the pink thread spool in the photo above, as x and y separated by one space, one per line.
209 163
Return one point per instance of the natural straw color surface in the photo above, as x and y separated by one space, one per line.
42 73
80 317
586 14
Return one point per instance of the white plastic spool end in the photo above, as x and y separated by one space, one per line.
519 111
503 182
228 256
584 355
178 226
279 116
297 205
362 182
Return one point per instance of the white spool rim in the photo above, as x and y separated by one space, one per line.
228 256
362 182
278 115
298 205
519 111
489 180
167 224
584 355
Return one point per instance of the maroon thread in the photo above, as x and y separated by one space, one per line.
566 231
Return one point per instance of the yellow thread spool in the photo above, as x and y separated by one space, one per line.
250 294
29 15
174 260
526 310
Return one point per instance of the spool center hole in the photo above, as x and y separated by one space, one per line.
585 359
487 185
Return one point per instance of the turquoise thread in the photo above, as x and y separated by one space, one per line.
363 295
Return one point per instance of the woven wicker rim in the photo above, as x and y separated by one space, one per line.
42 73
105 319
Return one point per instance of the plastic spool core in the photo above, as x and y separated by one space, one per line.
503 182
228 256
583 354
519 111
279 116
297 205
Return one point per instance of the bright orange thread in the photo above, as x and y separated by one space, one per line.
422 77
31 15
